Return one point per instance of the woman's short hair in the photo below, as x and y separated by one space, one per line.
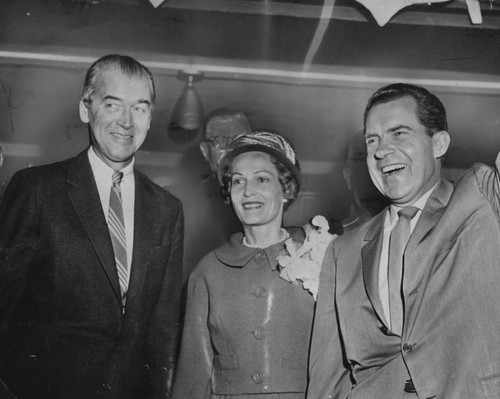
286 178
283 156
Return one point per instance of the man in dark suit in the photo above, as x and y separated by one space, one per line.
91 258
422 323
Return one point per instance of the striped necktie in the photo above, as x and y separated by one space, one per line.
117 232
399 239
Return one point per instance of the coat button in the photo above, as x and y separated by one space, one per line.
260 292
32 357
260 333
258 378
407 348
106 386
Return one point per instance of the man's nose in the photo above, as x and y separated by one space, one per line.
126 120
384 148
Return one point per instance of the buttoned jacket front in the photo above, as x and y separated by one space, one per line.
449 343
247 330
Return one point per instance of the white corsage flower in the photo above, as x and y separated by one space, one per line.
303 262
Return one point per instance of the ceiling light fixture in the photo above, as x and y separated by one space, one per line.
187 115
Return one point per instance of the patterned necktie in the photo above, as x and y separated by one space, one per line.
399 239
117 232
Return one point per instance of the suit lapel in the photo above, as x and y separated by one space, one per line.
370 258
416 268
85 198
435 206
145 212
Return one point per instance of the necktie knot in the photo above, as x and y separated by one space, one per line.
408 212
117 177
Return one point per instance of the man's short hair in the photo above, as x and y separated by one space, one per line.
430 110
127 65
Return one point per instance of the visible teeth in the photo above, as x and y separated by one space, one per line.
393 167
252 205
121 135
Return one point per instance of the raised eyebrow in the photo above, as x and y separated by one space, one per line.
144 101
141 101
110 97
399 127
263 171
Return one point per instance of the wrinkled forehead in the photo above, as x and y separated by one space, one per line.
114 79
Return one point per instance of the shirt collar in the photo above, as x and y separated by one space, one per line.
103 171
420 204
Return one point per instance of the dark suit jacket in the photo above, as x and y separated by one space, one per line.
450 344
62 331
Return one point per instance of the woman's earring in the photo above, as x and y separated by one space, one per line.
284 200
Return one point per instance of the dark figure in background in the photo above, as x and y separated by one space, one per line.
209 222
246 331
220 127
417 317
91 258
366 200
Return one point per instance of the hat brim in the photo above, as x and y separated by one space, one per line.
229 156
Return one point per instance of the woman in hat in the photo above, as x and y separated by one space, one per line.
246 330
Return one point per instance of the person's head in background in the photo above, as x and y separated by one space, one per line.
117 103
220 127
406 137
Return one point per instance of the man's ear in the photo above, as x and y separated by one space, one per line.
205 150
84 112
440 142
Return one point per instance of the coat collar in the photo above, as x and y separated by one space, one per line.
233 253
370 260
433 209
85 198
146 211
371 251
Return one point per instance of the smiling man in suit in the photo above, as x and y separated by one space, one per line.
91 258
408 303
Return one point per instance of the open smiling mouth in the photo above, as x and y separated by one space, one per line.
393 169
122 136
252 205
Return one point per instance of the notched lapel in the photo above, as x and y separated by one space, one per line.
370 258
416 263
146 212
85 199
431 214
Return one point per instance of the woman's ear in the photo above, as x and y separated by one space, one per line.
440 142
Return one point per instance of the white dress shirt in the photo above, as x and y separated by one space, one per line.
103 177
391 218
